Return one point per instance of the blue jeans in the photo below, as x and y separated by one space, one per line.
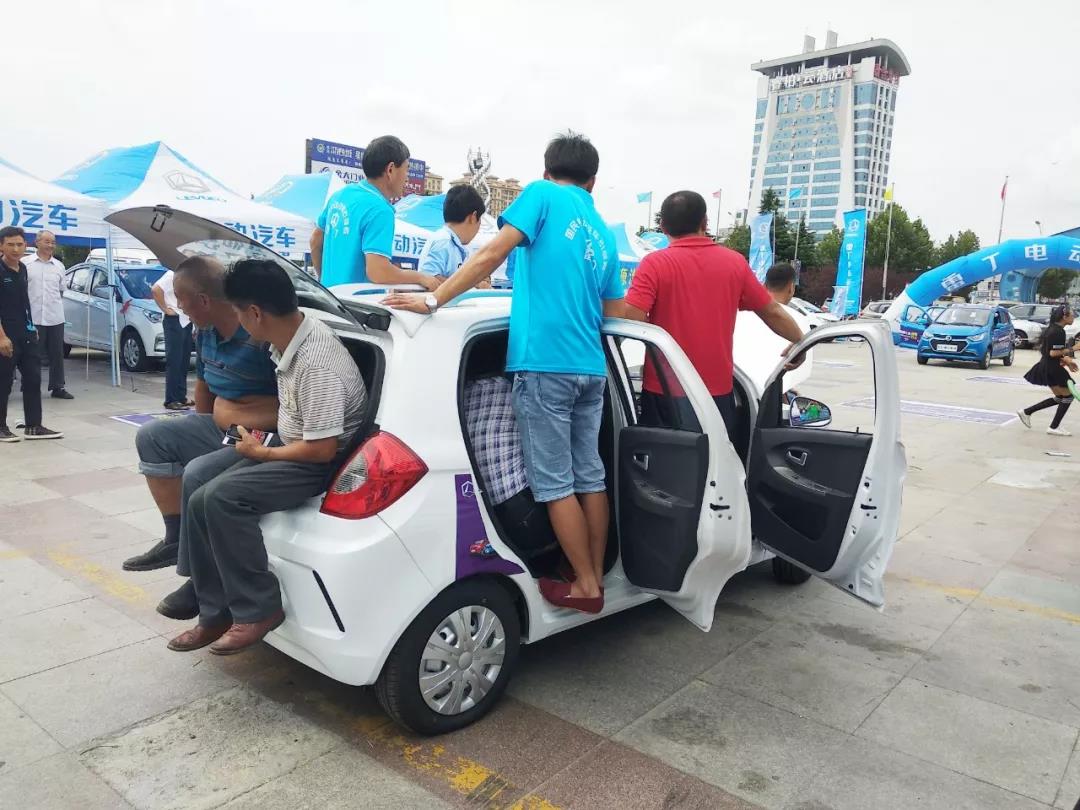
559 419
177 358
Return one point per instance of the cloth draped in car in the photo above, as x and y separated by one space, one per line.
493 434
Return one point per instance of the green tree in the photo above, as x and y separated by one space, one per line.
828 249
910 247
1056 282
954 247
770 202
739 240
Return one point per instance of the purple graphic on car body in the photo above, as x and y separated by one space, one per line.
475 554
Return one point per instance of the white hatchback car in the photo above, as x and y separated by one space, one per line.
417 573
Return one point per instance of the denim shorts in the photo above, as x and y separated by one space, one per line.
558 416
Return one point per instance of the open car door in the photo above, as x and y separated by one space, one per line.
913 322
681 508
823 497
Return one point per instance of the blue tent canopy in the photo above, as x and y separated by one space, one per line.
655 239
302 194
423 212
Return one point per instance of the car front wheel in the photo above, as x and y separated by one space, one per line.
985 362
1008 359
132 351
452 664
922 360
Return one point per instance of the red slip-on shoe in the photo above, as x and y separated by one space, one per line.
558 593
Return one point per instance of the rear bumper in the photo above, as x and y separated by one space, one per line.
367 578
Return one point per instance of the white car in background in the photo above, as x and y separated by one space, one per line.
409 575
1031 320
814 314
140 336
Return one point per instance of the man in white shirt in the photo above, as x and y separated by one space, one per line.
178 344
45 278
447 250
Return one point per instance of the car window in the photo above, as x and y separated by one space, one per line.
139 281
100 288
840 377
964 316
664 405
80 279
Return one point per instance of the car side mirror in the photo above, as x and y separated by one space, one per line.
807 412
119 298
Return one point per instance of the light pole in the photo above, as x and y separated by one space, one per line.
1040 227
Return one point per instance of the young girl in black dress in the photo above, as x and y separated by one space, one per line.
1052 370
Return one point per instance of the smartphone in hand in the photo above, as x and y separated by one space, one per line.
232 436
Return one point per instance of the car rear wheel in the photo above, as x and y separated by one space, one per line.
787 573
452 664
922 360
1020 340
132 351
985 362
1008 359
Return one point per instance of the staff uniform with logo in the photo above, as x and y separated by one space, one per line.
178 344
569 265
357 220
190 446
45 279
321 396
443 254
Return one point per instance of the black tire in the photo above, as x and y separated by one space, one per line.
67 349
398 686
1008 359
922 360
1020 340
132 352
985 362
787 573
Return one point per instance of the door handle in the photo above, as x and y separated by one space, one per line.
642 460
798 457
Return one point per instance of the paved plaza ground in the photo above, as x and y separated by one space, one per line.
963 693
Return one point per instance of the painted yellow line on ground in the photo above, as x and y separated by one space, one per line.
1004 602
14 554
99 575
475 782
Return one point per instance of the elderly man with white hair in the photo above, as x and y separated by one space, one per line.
45 277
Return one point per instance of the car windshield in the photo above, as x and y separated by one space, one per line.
309 292
1041 314
964 316
138 281
805 306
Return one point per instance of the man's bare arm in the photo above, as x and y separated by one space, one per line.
316 245
615 308
632 313
383 271
159 299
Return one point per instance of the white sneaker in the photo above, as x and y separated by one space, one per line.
1025 420
1057 432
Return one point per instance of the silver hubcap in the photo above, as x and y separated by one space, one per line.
462 660
131 352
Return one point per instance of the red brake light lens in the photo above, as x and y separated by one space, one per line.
378 474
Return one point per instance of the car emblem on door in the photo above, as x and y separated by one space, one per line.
183 181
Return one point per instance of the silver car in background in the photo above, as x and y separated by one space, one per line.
140 335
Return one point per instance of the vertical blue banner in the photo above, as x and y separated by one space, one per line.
761 255
849 264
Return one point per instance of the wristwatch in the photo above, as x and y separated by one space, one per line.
431 302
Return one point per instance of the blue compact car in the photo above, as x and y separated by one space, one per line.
913 322
969 332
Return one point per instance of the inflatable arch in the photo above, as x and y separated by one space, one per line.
1020 262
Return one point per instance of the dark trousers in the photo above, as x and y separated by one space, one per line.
228 561
177 358
27 360
51 347
658 410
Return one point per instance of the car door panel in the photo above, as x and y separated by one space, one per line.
829 500
662 474
101 299
683 517
75 303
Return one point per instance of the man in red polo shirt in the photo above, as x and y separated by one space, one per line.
694 289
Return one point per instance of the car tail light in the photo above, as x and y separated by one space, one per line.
379 472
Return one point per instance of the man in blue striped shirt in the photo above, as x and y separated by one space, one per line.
445 252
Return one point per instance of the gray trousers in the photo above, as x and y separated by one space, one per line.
51 348
220 533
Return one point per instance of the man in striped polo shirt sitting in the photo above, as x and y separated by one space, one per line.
322 402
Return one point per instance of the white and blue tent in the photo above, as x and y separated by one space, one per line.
655 239
302 194
427 213
155 174
35 205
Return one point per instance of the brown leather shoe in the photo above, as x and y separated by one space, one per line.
242 636
197 637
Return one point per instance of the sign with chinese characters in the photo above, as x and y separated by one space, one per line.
280 238
849 264
348 163
817 76
36 215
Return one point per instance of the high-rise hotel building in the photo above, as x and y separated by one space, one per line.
824 128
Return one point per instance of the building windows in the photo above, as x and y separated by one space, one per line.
860 188
824 201
863 139
803 154
797 203
762 107
800 180
774 182
862 152
826 189
827 178
831 152
865 93
760 125
801 167
861 114
823 165
776 169
864 126
860 201
822 213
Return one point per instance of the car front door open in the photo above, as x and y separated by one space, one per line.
683 517
827 496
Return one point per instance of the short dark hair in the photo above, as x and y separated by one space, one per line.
11 231
683 213
571 156
205 273
779 276
460 202
263 283
381 152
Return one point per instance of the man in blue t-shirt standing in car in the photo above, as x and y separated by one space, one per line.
354 240
566 281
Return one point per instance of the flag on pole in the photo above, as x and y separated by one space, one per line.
794 194
645 196
716 194
1003 188
889 193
